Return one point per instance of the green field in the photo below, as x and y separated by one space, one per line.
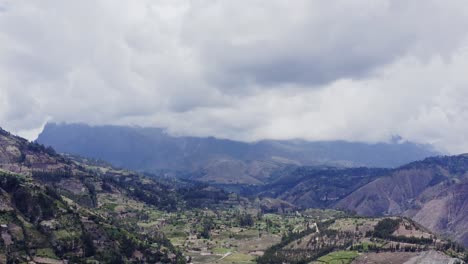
338 257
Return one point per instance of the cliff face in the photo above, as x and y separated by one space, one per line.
433 192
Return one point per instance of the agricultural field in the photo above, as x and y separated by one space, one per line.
338 257
238 234
343 240
241 233
228 236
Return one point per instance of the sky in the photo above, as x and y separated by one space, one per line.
357 70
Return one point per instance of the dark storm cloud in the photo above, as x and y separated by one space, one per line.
315 42
311 71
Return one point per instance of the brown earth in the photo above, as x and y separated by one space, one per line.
434 192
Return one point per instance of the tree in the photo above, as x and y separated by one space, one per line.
246 220
128 246
88 245
207 225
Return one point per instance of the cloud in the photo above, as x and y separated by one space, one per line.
316 42
356 70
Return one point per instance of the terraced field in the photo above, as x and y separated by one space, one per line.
338 257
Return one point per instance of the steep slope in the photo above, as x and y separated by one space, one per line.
53 209
318 187
38 224
432 191
152 149
444 209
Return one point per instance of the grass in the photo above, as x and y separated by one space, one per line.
7 217
339 257
65 235
246 234
365 245
46 253
219 250
148 224
110 206
177 240
239 258
196 258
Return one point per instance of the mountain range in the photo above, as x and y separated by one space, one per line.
220 160
56 208
432 191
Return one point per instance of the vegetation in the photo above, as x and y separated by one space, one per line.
40 218
58 208
339 257
386 227
339 240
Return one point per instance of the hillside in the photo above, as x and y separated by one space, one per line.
53 209
318 187
219 160
56 208
363 240
433 192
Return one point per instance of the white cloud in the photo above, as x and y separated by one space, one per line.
356 70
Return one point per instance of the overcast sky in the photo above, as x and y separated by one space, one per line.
360 70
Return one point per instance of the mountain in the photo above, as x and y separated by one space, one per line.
56 208
433 192
219 160
66 209
318 187
53 209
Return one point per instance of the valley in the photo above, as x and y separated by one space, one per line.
82 210
233 132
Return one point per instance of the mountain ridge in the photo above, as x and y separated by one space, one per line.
153 150
433 191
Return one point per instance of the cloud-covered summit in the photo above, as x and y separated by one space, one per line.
320 70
